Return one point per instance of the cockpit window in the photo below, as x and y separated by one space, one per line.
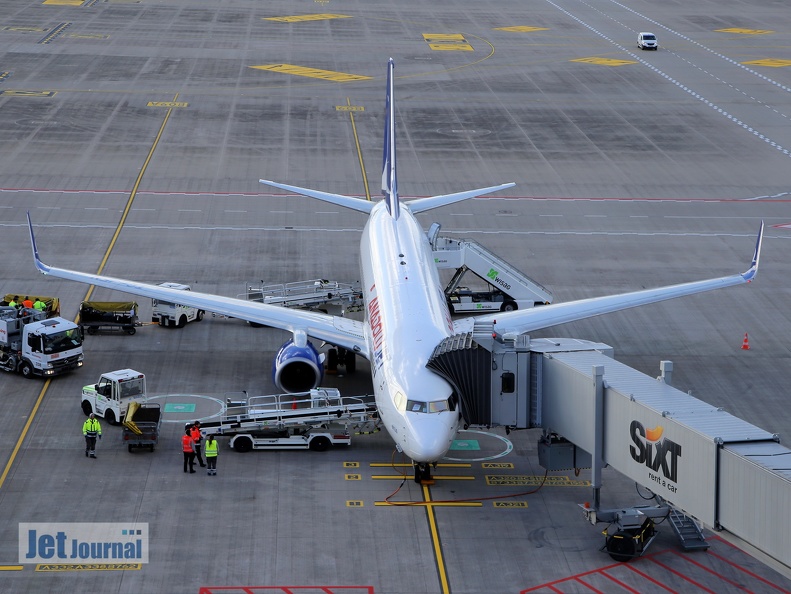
427 407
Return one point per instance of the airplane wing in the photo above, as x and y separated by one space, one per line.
527 320
335 330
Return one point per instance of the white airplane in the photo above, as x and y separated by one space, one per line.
406 314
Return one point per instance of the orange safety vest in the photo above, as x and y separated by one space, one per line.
187 443
196 436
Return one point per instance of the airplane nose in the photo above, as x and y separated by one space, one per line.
431 436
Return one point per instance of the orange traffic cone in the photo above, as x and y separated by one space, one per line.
745 343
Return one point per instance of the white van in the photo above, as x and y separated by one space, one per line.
646 40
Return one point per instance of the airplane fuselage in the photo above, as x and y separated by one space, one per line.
406 318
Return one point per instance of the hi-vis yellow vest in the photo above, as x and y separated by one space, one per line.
211 448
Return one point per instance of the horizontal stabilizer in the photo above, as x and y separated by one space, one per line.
424 204
357 204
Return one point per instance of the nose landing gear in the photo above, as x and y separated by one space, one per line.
423 473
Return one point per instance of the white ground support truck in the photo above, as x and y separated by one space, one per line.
33 345
314 420
173 315
111 396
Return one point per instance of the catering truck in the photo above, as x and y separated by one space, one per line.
34 345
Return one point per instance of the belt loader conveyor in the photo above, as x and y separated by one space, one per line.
307 420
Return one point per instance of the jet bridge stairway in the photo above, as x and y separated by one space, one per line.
510 288
689 533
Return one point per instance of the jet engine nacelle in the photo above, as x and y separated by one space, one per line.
298 366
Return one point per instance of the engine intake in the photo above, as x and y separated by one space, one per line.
297 368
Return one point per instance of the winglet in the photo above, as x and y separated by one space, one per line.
389 181
43 268
750 274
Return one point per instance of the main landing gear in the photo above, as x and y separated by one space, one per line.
423 472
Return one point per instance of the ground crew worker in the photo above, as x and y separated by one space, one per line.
91 429
212 448
14 302
39 304
27 303
197 438
188 447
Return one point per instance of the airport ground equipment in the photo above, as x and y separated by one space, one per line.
174 315
507 288
329 296
141 425
701 466
111 396
52 304
314 420
113 316
34 345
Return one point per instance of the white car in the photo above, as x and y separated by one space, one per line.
647 40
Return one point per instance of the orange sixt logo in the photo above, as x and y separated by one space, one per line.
655 454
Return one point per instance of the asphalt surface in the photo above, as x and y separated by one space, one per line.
135 134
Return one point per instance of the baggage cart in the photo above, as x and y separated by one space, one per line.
109 315
141 425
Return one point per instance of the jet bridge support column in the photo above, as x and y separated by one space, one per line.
597 456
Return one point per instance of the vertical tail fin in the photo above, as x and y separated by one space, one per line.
389 181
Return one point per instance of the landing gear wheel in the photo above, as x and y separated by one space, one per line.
621 546
350 360
332 361
422 472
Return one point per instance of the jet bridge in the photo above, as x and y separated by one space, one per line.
704 465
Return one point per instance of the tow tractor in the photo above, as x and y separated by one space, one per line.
111 396
314 420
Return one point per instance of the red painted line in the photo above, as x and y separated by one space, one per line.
743 569
689 559
620 583
650 579
587 585
566 579
682 576
284 589
490 198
